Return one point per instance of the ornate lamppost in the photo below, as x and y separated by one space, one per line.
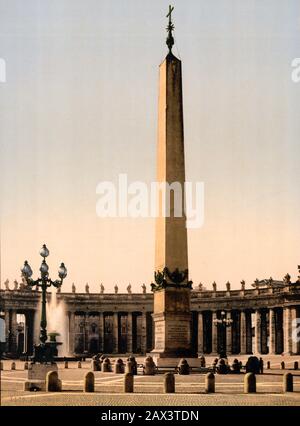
43 352
224 323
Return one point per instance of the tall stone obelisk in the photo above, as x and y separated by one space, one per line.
172 316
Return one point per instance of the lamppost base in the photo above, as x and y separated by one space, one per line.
43 354
37 376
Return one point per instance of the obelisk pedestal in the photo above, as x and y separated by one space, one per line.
172 320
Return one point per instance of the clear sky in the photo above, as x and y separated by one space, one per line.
80 106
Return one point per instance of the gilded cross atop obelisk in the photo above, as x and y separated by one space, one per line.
170 29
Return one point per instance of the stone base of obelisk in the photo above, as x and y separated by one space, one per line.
172 323
37 376
174 362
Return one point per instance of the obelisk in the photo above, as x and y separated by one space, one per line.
172 316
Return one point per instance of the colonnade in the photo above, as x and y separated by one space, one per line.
122 324
110 332
258 331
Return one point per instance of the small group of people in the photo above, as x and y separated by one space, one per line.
221 365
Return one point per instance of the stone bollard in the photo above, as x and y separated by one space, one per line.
169 383
1 366
79 364
296 365
183 367
129 367
202 361
282 365
222 366
288 382
89 382
128 383
26 365
236 366
134 364
149 368
53 384
210 383
119 366
101 359
106 366
95 365
13 365
66 364
249 383
268 365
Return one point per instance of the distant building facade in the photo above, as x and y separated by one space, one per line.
264 320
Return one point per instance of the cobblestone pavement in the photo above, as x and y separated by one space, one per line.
148 389
77 399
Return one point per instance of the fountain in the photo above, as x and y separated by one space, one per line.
54 344
57 325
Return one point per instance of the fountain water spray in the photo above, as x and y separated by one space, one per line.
57 322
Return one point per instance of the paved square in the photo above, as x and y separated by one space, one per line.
148 390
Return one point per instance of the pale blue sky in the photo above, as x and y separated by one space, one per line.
80 106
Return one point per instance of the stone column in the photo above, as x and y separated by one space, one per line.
287 330
144 333
86 332
153 331
243 333
279 331
7 326
36 327
71 332
257 344
129 332
228 335
30 330
200 333
249 349
294 343
272 332
13 336
116 332
26 331
214 335
264 332
101 332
